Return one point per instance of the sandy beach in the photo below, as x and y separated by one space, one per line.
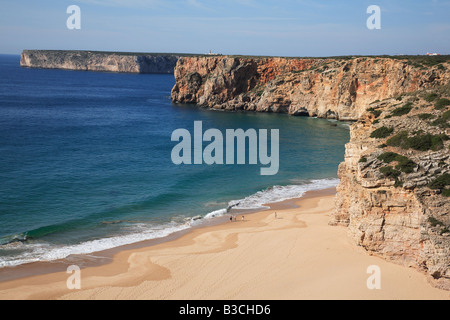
295 255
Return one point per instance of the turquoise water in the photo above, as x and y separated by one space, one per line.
85 162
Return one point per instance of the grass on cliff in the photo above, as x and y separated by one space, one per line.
382 133
391 173
442 103
406 109
404 164
442 121
441 182
421 142
376 113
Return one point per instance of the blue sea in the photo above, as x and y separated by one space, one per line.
85 162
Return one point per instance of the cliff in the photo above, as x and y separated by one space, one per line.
99 61
394 189
327 88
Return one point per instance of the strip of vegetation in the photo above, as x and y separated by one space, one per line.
442 103
382 133
425 116
375 112
391 173
431 97
423 142
402 110
404 164
442 121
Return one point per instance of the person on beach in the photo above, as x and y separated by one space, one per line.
231 218
276 215
243 218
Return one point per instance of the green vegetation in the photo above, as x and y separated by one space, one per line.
426 142
431 97
375 112
404 164
442 103
440 183
435 222
442 121
425 116
382 133
402 110
382 146
390 172
388 157
399 140
423 142
363 160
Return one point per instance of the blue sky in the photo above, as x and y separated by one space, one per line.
250 27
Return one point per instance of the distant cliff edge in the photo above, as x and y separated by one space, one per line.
100 61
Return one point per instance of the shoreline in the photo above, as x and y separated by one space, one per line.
105 257
308 260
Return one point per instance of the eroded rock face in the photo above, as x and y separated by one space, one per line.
98 61
326 88
400 219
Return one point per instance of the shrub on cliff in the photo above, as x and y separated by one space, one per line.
431 97
382 132
441 182
375 112
442 121
421 142
402 110
425 116
442 103
404 164
426 142
399 140
391 173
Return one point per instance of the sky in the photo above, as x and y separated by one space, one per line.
306 28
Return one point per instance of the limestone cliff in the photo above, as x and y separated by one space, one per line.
99 61
394 189
327 88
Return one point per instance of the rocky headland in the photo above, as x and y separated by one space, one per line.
394 190
335 88
100 61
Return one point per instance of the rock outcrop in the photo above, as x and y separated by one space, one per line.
388 195
99 61
327 88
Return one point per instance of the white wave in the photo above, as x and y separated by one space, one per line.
217 213
45 252
281 193
37 252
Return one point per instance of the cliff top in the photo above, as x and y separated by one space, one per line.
154 54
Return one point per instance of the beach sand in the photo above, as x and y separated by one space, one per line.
296 256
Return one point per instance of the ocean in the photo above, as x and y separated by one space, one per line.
85 162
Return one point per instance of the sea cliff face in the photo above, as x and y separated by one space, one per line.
394 190
99 61
327 88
